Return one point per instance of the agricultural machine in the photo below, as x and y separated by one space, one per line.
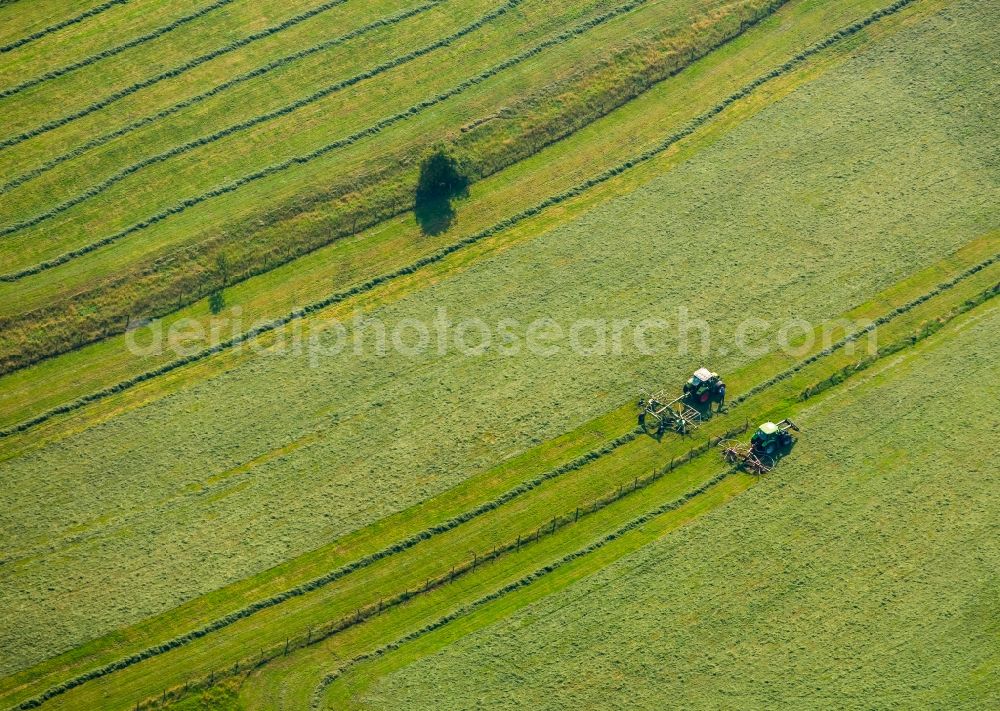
765 447
705 387
661 412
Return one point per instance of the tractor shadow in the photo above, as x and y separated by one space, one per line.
707 410
782 452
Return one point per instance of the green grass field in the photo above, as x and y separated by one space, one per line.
262 527
336 433
152 197
856 575
606 143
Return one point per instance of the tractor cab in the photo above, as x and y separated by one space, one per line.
705 386
771 438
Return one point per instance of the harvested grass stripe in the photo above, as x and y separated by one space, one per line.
518 584
925 331
330 629
880 321
373 130
62 25
333 575
246 125
159 32
225 86
442 253
171 73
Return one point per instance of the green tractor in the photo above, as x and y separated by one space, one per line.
705 387
766 446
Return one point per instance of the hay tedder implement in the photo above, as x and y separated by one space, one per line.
767 445
661 412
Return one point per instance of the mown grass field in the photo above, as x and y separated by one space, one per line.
856 574
350 427
267 529
357 134
406 570
606 143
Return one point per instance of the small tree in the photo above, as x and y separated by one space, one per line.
441 178
216 302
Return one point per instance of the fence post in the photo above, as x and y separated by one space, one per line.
577 516
519 542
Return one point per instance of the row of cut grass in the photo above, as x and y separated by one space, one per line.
818 534
501 148
61 25
568 243
580 481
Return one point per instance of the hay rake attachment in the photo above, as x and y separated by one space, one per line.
742 454
657 415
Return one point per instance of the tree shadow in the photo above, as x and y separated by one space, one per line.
434 213
441 181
